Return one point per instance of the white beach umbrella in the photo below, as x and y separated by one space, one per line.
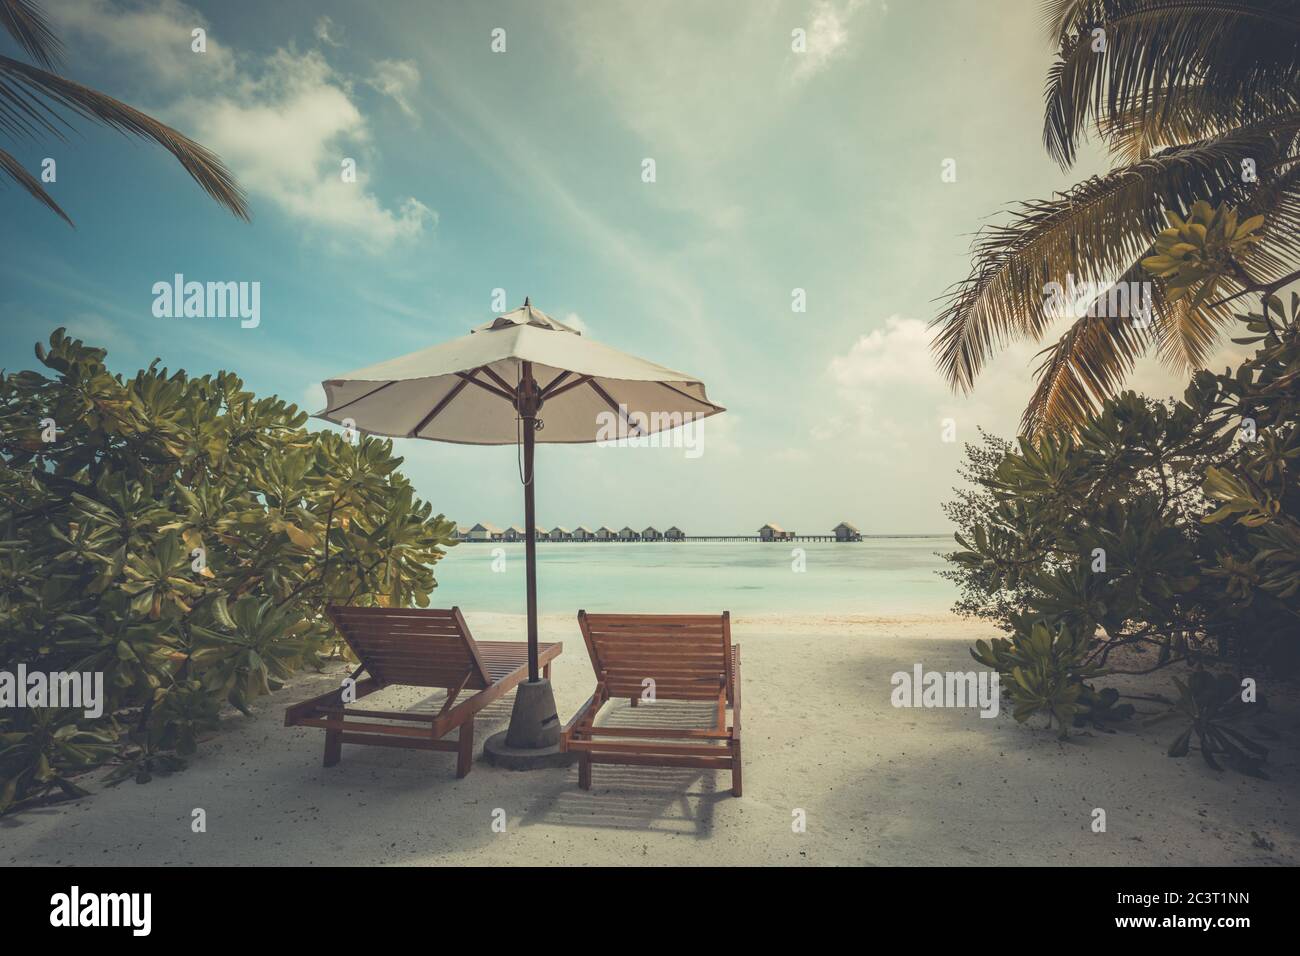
466 390
523 377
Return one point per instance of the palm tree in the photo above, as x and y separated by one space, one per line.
36 101
1190 97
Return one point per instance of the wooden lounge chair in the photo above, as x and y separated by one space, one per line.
688 657
419 648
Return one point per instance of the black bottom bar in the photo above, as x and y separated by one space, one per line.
307 906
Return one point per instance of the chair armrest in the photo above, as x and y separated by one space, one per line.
587 711
735 691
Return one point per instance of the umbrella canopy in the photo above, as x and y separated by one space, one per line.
466 390
523 377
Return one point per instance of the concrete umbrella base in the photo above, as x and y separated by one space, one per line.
533 739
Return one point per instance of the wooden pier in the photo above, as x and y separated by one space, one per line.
689 537
754 537
767 534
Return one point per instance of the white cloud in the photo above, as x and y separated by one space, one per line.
328 32
286 132
152 41
828 36
397 79
283 123
574 321
887 389
898 354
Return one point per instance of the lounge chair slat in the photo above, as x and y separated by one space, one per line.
701 762
713 664
666 732
394 613
640 620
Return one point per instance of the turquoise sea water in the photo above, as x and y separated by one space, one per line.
893 575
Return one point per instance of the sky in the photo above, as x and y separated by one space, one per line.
489 160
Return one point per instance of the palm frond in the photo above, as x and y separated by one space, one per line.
1183 92
1132 135
1185 336
1091 360
25 22
37 96
1063 17
1160 52
1096 354
1084 366
25 116
1093 233
1277 197
14 170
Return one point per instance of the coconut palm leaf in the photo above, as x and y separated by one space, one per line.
1091 360
1132 135
1063 17
1277 197
1086 364
38 95
23 115
1162 52
26 23
36 102
1184 337
1095 232
14 169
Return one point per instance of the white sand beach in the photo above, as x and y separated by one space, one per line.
879 785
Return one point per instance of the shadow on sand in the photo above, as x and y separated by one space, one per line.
655 799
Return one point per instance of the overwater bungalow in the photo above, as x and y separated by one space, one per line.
605 534
774 532
846 532
559 533
652 534
483 531
627 534
674 534
583 533
513 533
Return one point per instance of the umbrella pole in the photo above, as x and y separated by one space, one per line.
533 737
527 402
530 547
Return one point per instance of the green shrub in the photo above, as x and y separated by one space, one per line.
1209 702
1045 670
182 537
1170 529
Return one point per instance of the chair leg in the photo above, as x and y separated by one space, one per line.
584 771
735 768
465 750
546 671
333 745
632 701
